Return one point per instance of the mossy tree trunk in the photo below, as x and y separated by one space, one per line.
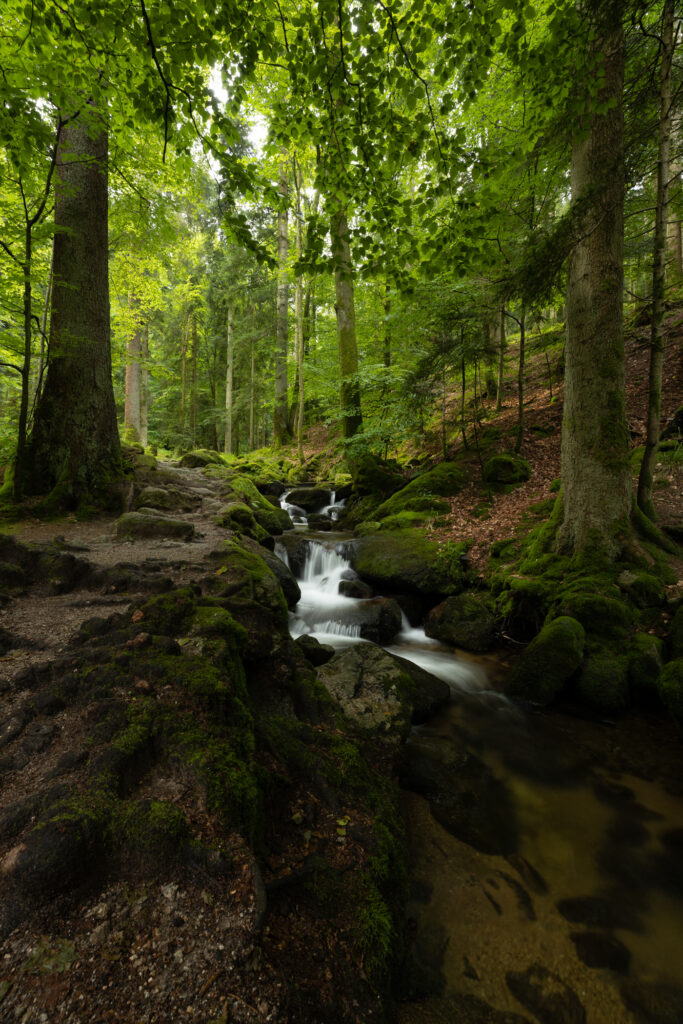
352 419
500 339
74 451
674 234
144 386
252 399
596 477
654 401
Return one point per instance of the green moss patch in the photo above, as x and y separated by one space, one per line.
549 661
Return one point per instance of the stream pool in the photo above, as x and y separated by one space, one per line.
546 849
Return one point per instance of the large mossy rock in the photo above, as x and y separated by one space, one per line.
239 518
548 662
645 590
670 686
381 619
506 468
200 458
372 476
166 500
379 692
405 560
267 514
645 662
603 682
139 525
463 620
425 493
310 499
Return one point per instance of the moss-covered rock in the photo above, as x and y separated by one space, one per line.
373 476
407 560
603 682
239 518
676 634
310 499
645 662
670 686
134 525
464 620
200 458
165 499
424 492
548 662
506 468
644 589
598 613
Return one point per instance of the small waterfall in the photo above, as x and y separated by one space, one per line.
296 514
322 610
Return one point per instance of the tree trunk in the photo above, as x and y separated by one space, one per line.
252 388
387 325
74 447
229 368
281 432
463 426
596 476
654 402
131 413
674 235
520 381
352 419
144 395
501 355
193 382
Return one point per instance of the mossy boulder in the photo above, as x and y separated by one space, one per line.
239 518
644 589
135 525
200 458
373 476
267 514
645 662
310 499
676 634
405 560
376 691
381 620
284 576
548 662
506 468
165 499
598 613
603 682
464 620
670 687
425 492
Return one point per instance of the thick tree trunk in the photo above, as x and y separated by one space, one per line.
596 476
352 419
132 408
281 432
193 381
387 325
74 447
229 369
654 401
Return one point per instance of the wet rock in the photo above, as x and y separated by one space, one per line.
546 996
317 653
372 688
353 586
644 665
600 949
284 576
463 620
141 524
405 560
381 620
311 499
317 521
166 500
548 662
297 548
603 683
430 693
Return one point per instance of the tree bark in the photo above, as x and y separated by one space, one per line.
144 388
193 382
74 449
229 369
252 389
132 407
387 325
520 381
281 432
674 234
352 419
654 401
501 355
596 476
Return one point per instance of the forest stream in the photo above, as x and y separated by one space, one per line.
545 849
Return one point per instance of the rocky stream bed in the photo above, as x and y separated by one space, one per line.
200 819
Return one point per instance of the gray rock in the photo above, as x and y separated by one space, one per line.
134 525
